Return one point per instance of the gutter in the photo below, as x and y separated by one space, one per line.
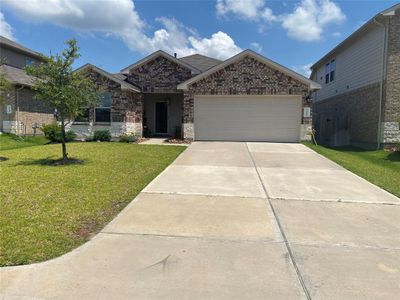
383 76
17 104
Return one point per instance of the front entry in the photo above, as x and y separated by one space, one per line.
161 117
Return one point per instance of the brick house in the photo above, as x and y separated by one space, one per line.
359 102
246 97
21 113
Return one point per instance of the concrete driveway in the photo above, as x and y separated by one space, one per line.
235 221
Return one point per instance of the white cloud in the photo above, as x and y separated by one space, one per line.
119 18
248 9
5 29
257 47
303 69
309 18
306 22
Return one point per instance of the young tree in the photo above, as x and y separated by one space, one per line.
64 90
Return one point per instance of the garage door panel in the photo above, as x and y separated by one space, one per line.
249 118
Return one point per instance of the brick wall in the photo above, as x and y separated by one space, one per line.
126 109
349 118
391 107
159 75
247 76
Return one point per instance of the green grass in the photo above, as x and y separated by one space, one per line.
49 210
9 141
380 167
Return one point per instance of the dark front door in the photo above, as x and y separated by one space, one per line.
162 117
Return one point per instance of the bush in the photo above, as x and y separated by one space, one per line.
178 132
397 147
103 135
53 133
127 138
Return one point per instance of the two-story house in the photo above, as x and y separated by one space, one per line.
21 113
359 102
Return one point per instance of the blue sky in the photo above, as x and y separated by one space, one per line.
115 33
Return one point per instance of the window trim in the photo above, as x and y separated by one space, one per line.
329 70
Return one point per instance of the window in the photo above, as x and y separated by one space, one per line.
29 61
83 117
102 112
330 69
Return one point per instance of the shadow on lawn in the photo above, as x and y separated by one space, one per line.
394 156
51 162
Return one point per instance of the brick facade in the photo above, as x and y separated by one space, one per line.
126 109
160 75
349 118
391 107
248 76
26 112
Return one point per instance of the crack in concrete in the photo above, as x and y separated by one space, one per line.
289 250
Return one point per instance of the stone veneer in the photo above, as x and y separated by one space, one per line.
248 76
160 75
351 117
126 110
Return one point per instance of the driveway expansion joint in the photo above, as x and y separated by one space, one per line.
291 256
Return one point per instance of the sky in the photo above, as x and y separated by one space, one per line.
113 34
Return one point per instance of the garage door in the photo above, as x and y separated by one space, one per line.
247 118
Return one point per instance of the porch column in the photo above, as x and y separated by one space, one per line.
188 113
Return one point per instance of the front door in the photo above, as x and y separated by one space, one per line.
161 117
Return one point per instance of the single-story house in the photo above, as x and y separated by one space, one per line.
244 98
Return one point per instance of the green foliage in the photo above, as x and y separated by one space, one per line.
68 92
103 135
53 133
127 138
178 132
397 147
5 86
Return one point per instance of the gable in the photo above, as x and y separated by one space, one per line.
159 74
248 75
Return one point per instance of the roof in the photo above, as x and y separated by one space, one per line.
387 12
120 76
17 76
248 52
13 45
200 62
163 54
124 85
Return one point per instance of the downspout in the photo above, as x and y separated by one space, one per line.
383 75
17 110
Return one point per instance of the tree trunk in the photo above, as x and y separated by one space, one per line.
64 146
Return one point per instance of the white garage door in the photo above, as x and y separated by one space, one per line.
247 118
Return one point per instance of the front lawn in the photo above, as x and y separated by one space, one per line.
49 210
10 141
379 167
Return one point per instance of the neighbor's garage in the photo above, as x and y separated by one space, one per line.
272 118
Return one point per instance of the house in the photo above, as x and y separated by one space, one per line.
359 102
244 98
21 113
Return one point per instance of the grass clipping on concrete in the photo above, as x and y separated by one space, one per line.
379 167
48 210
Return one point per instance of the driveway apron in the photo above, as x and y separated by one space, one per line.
235 221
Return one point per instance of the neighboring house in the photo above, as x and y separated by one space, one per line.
21 113
244 98
359 102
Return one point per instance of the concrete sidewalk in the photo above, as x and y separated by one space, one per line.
235 221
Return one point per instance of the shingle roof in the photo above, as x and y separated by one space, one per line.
16 75
201 62
120 76
11 44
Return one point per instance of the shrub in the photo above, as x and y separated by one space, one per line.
53 133
103 135
397 147
127 138
178 132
